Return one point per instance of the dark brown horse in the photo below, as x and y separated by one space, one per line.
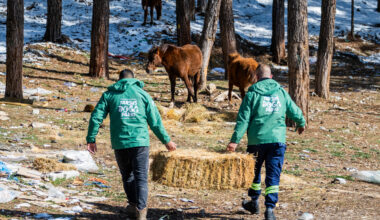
183 62
151 4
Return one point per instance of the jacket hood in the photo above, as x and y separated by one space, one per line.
265 87
124 84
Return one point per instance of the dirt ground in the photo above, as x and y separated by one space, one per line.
343 135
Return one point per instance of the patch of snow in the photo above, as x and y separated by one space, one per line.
373 59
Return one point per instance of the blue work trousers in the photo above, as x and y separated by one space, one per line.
273 156
134 164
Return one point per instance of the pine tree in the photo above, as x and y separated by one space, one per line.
183 11
227 29
53 21
278 31
298 54
99 39
15 45
208 37
325 49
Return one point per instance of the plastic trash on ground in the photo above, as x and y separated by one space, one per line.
368 176
81 159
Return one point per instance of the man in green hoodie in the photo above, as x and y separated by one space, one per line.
263 113
131 110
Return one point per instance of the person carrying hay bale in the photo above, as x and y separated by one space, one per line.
263 113
131 109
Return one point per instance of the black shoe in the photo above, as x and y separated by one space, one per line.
269 214
251 206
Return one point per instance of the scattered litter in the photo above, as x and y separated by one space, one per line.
186 200
28 173
77 209
210 89
4 170
39 125
96 183
42 215
36 111
38 91
21 205
339 181
94 89
368 176
78 182
81 159
63 174
4 116
94 179
164 196
55 193
306 216
224 95
70 84
7 195
12 158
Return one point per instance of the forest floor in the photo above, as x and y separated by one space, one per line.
342 136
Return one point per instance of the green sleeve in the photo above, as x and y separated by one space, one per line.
293 111
100 112
243 119
155 122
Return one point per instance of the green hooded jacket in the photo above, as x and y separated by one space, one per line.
263 113
131 109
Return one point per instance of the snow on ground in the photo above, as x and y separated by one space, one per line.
127 35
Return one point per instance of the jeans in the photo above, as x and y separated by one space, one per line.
273 156
134 164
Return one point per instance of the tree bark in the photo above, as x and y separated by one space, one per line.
183 22
278 31
227 30
53 21
202 5
192 10
208 37
15 47
99 39
378 5
325 49
352 32
298 54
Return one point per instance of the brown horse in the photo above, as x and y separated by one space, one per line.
151 4
183 62
241 73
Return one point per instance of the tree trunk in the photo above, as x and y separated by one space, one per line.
378 5
201 6
192 10
53 21
227 30
278 31
15 47
298 54
352 32
99 39
183 22
208 37
325 49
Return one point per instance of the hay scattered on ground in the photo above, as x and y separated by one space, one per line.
195 113
49 165
201 169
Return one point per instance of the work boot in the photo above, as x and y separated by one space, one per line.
251 206
269 214
141 214
131 210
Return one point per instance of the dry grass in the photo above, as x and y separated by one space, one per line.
200 169
49 165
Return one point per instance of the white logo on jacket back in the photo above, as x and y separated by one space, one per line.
271 104
128 108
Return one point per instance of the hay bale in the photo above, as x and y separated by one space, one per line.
46 165
200 169
195 112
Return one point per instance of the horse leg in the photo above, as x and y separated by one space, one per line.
172 90
151 15
191 79
242 92
196 86
158 11
145 14
190 91
230 87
